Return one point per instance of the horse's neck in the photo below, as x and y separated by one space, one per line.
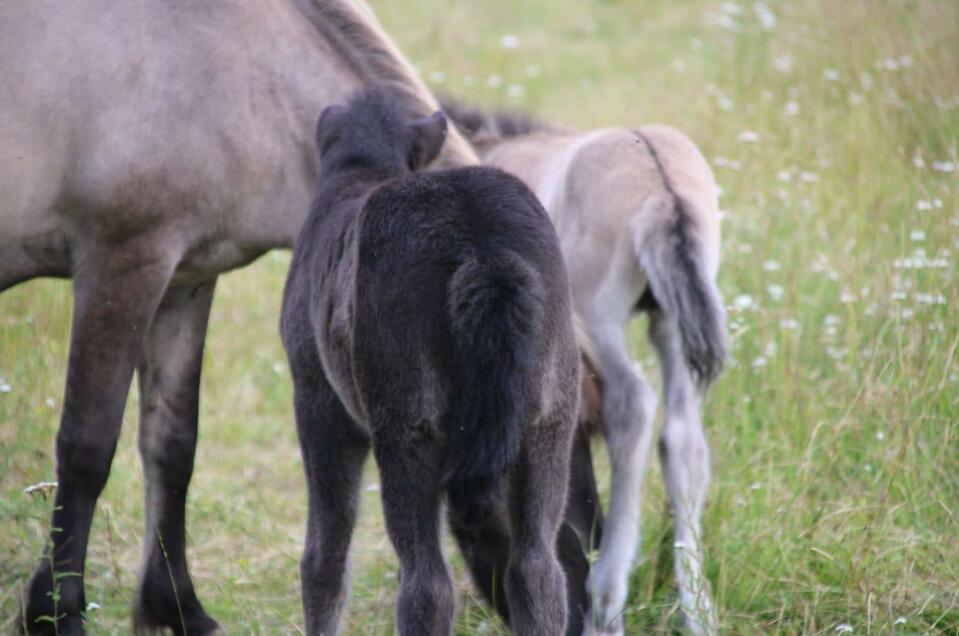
352 30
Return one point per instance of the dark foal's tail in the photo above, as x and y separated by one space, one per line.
673 262
495 311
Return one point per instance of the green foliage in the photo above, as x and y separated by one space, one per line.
834 433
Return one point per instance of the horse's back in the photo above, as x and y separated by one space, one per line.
151 116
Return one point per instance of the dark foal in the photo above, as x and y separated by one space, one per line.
428 315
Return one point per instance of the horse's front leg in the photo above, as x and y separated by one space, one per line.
169 377
629 405
117 288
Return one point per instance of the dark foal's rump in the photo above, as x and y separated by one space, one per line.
427 316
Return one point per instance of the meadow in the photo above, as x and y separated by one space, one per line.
833 129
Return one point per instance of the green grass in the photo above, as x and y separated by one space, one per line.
835 432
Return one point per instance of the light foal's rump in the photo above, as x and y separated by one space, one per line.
637 216
148 147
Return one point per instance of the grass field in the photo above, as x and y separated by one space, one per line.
833 128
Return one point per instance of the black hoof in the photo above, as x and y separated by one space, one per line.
158 608
43 615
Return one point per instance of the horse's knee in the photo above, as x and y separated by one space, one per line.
83 459
682 444
426 602
536 589
628 414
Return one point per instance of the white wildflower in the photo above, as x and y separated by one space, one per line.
900 621
374 487
776 291
784 176
50 402
830 75
494 80
846 298
865 81
727 22
92 607
843 628
766 18
755 486
889 64
759 362
743 302
723 162
917 235
771 266
278 368
748 137
922 204
725 103
509 42
783 63
930 299
42 487
5 386
943 166
791 108
437 77
808 177
731 8
789 324
880 435
515 91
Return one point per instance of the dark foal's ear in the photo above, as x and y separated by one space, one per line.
328 125
429 133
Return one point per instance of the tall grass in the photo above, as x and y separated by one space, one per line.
833 129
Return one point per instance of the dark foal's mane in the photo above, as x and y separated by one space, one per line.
480 124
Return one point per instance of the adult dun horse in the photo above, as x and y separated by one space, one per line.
638 220
147 148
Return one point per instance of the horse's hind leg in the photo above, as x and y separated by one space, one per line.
535 583
169 376
486 549
334 449
629 405
116 291
581 531
411 469
685 460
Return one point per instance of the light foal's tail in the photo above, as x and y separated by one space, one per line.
673 257
674 267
